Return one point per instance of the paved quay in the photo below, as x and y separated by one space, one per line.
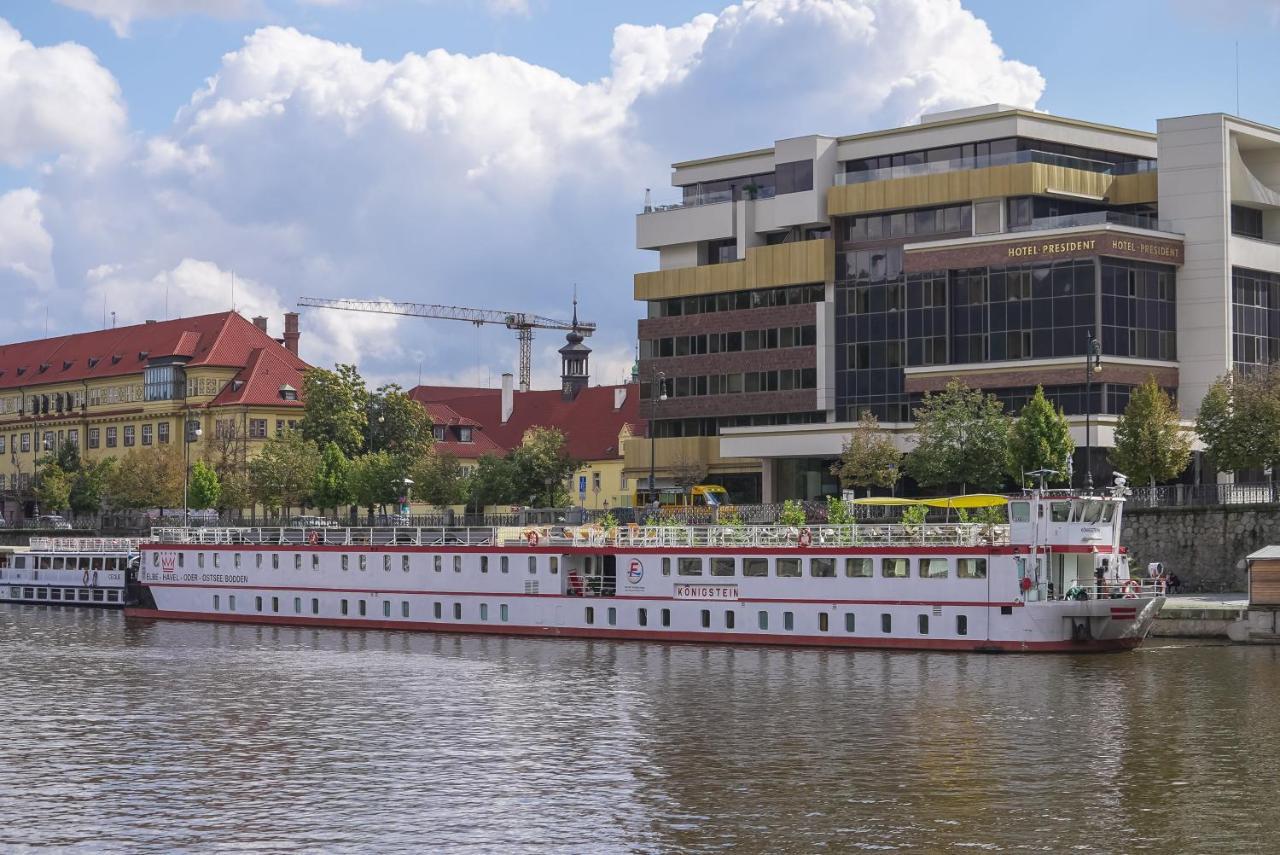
1200 615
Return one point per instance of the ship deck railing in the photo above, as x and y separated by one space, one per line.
635 536
86 544
1116 589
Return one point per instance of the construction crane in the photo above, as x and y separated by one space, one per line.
523 323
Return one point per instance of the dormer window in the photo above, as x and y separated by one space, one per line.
44 366
66 363
464 434
142 354
438 432
288 393
94 360
22 369
115 358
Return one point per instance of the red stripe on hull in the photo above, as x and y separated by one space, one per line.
614 549
976 645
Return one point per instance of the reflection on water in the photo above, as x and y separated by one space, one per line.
158 736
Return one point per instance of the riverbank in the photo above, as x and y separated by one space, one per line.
1200 615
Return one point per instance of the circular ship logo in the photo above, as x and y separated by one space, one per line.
635 572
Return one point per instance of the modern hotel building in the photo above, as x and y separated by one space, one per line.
799 285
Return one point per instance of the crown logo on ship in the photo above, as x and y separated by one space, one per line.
167 562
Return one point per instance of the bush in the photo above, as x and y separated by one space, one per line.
914 515
792 513
839 512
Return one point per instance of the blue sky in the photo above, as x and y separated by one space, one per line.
506 166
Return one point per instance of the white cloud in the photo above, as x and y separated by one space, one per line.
55 100
26 249
480 180
508 7
192 287
120 14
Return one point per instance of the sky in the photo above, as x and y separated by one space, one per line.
161 158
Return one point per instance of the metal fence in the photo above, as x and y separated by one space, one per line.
1204 495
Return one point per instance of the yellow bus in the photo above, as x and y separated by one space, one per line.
701 496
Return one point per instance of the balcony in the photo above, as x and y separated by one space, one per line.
1008 159
1097 218
796 263
675 224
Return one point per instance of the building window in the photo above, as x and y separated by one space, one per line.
1246 222
73 438
129 436
162 433
464 434
437 432
146 434
257 428
794 177
94 437
26 440
164 383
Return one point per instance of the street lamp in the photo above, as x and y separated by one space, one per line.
191 432
1092 365
404 497
657 392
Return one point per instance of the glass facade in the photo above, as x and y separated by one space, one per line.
733 301
1255 318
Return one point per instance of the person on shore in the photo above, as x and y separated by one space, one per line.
1173 585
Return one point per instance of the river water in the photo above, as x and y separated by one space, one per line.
140 736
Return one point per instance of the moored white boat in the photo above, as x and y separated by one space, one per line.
65 571
1029 584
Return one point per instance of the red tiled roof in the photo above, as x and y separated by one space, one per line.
222 339
590 423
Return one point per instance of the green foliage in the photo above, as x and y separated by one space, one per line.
146 478
962 437
542 465
88 486
839 512
730 517
1239 421
331 487
1040 439
438 479
284 472
493 483
67 457
913 516
397 423
52 487
869 459
1151 444
376 478
226 454
336 408
792 513
204 489
609 522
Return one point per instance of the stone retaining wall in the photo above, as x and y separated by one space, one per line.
1205 546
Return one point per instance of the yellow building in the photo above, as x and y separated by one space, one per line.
110 391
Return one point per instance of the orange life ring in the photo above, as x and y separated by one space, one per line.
806 537
313 538
532 537
1130 589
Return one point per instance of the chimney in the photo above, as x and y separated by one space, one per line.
291 333
619 396
508 397
260 322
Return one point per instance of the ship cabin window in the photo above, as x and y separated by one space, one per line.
822 567
971 568
503 612
1090 511
706 618
315 561
362 610
346 559
1020 512
342 607
199 559
553 564
666 567
590 614
762 620
297 605
386 608
215 559
55 594
1108 511
503 565
824 622
457 611
113 596
457 564
97 595
895 568
933 568
484 611
689 566
404 608
1006 610
257 560
437 562
297 561
275 561
533 564
788 567
231 602
849 621
1059 512
58 565
437 610
788 621
81 595
613 616
723 566
755 567
386 563
484 563
404 563
886 623
257 603
216 602
922 623
315 605
859 568
275 604
642 617
666 617
728 618
962 625
155 559
180 559
364 562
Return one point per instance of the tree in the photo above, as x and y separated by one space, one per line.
688 473
870 458
543 465
962 437
336 408
1151 444
146 478
227 454
494 483
53 486
397 423
89 486
1239 420
204 489
283 474
1040 439
376 479
331 488
438 479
